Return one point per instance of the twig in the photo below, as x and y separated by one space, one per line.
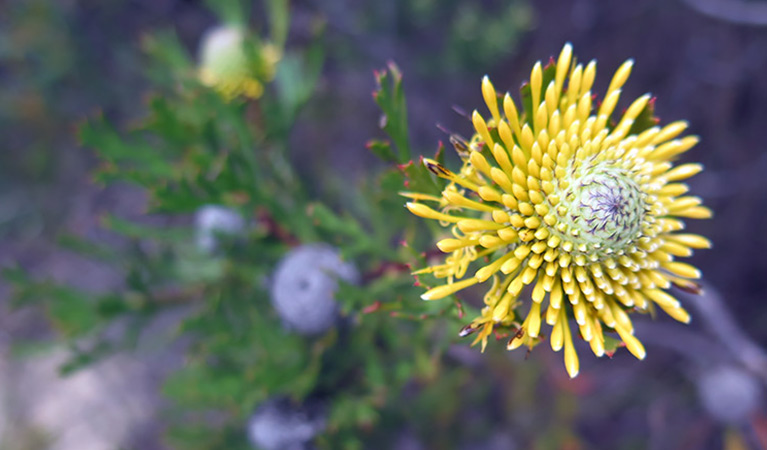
690 344
710 306
733 11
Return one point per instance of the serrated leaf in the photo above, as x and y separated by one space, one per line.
382 149
420 179
646 119
611 345
390 97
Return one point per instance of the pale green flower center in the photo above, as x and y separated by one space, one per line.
601 210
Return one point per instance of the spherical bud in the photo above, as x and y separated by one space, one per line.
729 394
279 425
214 220
234 65
304 287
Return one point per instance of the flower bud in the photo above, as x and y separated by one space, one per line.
213 220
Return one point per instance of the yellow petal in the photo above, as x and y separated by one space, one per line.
419 209
690 240
684 270
447 289
621 75
491 99
632 343
533 320
451 245
571 357
563 67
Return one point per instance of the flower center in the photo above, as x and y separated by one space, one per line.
602 208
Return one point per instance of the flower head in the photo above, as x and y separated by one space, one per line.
233 65
305 285
583 208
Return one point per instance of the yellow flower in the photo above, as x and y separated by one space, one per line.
582 208
232 65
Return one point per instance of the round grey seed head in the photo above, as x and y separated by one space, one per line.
304 287
279 425
729 394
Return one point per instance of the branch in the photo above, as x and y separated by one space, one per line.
733 11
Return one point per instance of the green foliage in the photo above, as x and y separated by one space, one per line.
193 148
391 99
381 370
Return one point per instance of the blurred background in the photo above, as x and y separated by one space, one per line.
701 386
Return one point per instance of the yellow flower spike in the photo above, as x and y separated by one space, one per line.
632 344
690 240
563 66
586 207
678 314
481 126
572 364
589 74
491 99
551 100
419 196
621 75
502 158
445 290
419 209
573 92
457 199
683 172
504 131
606 108
669 132
536 84
502 179
512 116
508 234
541 118
526 139
451 245
676 249
533 320
697 212
479 162
486 272
557 332
501 310
684 270
674 148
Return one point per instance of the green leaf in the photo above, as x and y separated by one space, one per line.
611 345
295 80
420 179
279 20
117 150
390 97
140 231
646 119
382 149
232 12
167 56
